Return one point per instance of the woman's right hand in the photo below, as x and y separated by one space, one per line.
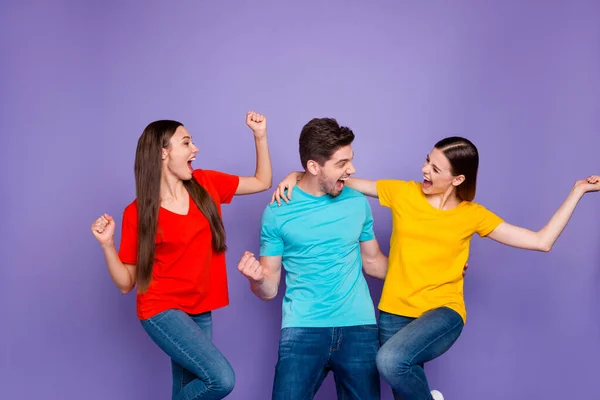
287 183
104 230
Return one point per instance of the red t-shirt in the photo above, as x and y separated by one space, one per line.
188 274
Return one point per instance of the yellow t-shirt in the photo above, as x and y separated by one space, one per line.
428 249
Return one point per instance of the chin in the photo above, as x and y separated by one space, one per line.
187 176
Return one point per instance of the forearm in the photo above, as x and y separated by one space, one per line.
365 186
266 289
297 175
263 173
548 235
376 266
118 271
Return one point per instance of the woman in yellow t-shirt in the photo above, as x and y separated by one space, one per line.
422 304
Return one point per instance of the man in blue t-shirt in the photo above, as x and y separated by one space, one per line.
324 238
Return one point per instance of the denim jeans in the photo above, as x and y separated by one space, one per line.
306 355
408 343
200 371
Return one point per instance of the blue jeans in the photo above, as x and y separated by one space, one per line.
408 343
200 371
306 355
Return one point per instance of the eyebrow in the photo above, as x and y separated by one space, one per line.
433 165
344 160
186 137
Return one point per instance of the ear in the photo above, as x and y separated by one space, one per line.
312 167
165 153
458 180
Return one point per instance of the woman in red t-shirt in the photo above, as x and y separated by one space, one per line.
172 247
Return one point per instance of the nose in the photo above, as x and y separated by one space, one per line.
350 170
194 149
425 169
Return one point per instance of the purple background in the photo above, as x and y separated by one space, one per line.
80 81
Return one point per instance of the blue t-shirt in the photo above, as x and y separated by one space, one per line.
319 241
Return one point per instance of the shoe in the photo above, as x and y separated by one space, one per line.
437 395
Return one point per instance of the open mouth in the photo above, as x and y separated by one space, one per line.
427 183
189 163
341 183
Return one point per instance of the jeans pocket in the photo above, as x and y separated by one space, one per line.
294 334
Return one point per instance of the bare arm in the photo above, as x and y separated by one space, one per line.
263 175
123 275
375 264
264 276
544 239
365 186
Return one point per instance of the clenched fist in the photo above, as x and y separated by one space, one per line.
590 184
251 268
257 122
104 229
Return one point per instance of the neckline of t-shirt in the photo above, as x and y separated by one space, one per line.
191 202
435 209
324 197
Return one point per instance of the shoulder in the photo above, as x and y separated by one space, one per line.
200 175
475 209
411 185
473 206
350 193
131 208
130 214
397 184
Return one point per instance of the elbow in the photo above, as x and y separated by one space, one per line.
264 184
544 246
126 289
269 297
376 274
367 268
264 293
269 182
545 241
371 270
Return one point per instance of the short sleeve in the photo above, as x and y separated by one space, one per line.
129 236
487 221
367 232
271 242
390 191
225 184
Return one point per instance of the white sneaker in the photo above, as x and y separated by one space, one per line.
437 395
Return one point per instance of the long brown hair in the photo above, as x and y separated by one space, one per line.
148 170
464 160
